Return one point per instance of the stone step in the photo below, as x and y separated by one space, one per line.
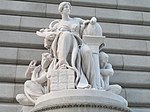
51 10
19 55
20 39
135 97
131 79
10 107
138 97
140 109
140 5
109 29
119 61
113 45
16 73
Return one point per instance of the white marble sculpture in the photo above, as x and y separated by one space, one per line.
37 86
67 38
106 71
73 53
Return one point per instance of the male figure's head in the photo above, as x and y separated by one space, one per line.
103 59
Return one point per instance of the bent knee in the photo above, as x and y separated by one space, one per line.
28 83
66 34
86 50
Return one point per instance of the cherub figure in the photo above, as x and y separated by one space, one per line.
37 86
107 71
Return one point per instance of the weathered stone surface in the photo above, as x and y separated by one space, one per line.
137 31
23 8
9 107
143 5
95 3
7 72
140 109
18 89
116 61
148 47
20 73
5 56
131 78
84 12
127 46
138 96
110 29
9 22
133 62
101 101
34 23
26 55
7 92
20 39
119 16
62 79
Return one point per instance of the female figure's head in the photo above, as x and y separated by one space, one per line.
64 8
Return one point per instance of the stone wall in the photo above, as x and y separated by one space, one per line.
125 23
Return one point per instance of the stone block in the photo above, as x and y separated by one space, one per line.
120 16
131 79
52 10
148 47
146 17
34 23
110 29
142 5
62 79
54 87
9 22
95 3
9 107
7 92
116 61
134 62
26 55
127 46
20 73
54 79
84 11
71 78
123 93
71 86
7 73
138 96
62 86
8 55
134 31
140 109
23 8
19 89
20 39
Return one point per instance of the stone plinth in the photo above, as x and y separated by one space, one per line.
81 101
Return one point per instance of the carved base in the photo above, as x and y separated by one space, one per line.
81 101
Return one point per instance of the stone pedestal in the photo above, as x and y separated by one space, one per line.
81 101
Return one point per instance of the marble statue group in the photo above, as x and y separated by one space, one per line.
69 55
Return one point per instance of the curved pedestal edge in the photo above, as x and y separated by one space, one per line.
106 106
81 98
